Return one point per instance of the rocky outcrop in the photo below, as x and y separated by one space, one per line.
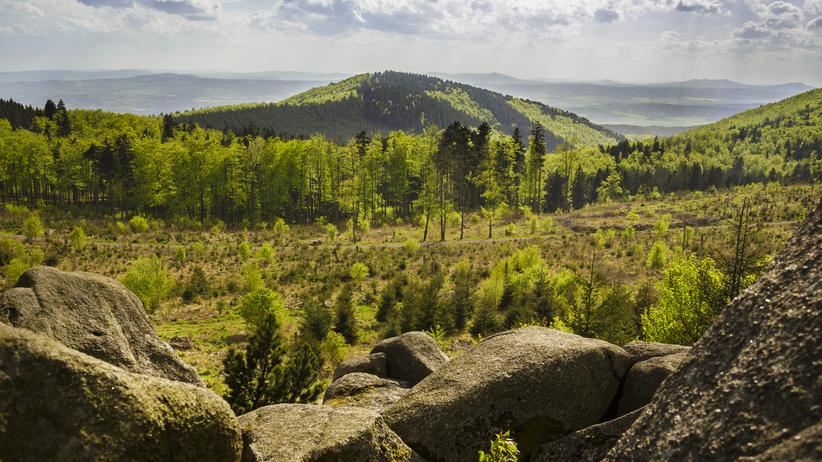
58 404
640 351
539 383
95 315
306 432
586 445
644 378
410 357
750 389
372 364
364 390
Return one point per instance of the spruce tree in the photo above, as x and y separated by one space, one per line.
579 189
344 317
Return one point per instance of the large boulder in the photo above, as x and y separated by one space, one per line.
644 378
364 390
93 314
586 445
372 364
59 404
640 351
539 383
410 357
750 389
308 432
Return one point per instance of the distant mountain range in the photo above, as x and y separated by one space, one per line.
385 101
663 105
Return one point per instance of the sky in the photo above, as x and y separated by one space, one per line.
754 41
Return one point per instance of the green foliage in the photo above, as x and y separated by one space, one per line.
252 277
317 321
32 227
149 280
359 271
244 250
662 225
77 238
438 334
138 224
14 269
197 285
503 449
657 256
345 322
690 297
10 249
281 228
331 232
256 305
266 374
334 349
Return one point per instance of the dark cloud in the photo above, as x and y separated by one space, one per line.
606 15
189 9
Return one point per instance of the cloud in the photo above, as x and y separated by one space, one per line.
699 6
195 10
26 9
669 36
606 15
815 25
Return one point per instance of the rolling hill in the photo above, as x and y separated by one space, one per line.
385 101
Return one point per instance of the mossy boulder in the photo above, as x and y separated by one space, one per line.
95 315
410 357
58 404
372 364
640 351
539 383
364 390
308 432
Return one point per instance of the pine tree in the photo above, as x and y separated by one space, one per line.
49 109
579 189
344 317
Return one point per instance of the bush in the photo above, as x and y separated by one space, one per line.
149 280
658 255
358 272
197 285
267 254
411 245
259 303
244 251
334 349
10 249
280 227
503 449
252 278
138 224
77 239
331 232
690 297
317 321
32 227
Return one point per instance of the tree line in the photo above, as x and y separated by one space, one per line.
101 164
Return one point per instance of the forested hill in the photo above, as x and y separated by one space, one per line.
386 101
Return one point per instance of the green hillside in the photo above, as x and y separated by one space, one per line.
387 101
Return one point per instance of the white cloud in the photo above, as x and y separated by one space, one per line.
699 6
26 9
189 9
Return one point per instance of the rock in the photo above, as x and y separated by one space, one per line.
640 351
586 445
539 383
95 315
181 343
751 386
410 357
372 364
644 378
308 432
59 404
364 390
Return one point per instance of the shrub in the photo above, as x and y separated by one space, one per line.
77 238
345 321
281 227
330 232
244 251
252 277
658 255
317 321
358 272
266 254
32 227
503 449
334 349
14 269
259 303
411 245
148 279
690 297
197 285
10 249
138 224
